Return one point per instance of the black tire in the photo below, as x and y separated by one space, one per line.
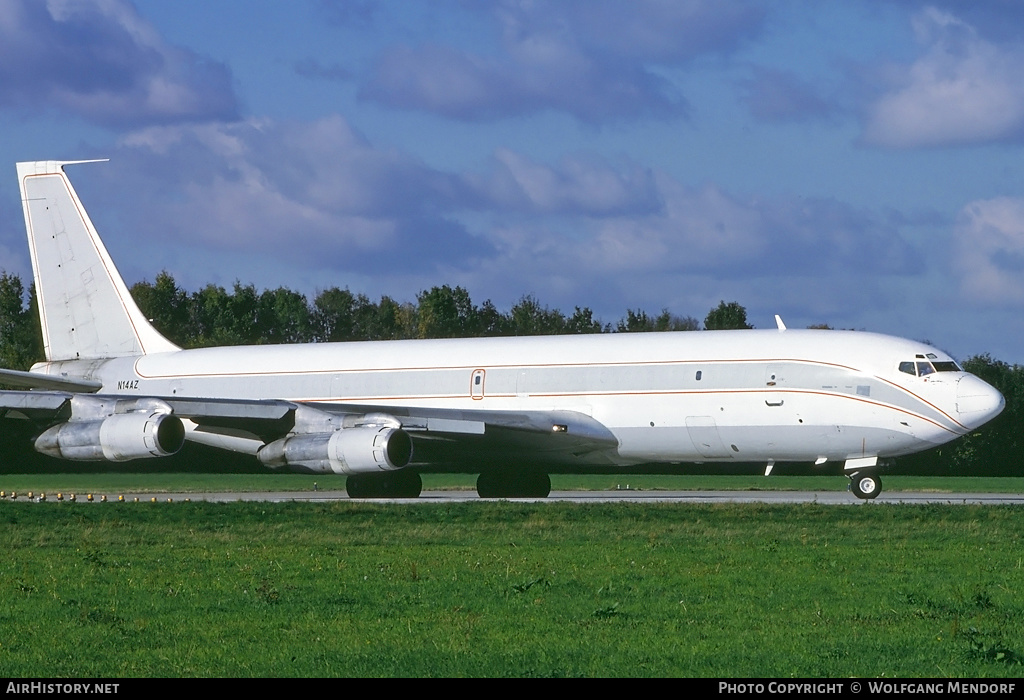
396 484
537 485
357 486
511 484
866 486
494 484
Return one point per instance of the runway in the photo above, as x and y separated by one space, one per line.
624 496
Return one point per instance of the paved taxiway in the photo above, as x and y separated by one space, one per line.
823 497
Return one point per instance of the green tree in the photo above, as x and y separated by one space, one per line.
334 317
639 322
446 313
583 321
729 316
491 322
528 317
389 320
213 313
667 321
167 306
283 316
635 322
21 343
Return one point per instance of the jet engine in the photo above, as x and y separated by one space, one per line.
361 450
115 438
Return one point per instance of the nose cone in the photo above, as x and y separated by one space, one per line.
977 402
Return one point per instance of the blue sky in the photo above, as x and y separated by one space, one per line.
855 163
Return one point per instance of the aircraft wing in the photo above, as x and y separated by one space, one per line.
445 438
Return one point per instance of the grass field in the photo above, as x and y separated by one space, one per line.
178 483
510 589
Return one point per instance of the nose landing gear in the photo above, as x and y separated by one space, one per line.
865 486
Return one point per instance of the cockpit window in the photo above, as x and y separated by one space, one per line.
922 368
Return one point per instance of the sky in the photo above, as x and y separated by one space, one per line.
856 164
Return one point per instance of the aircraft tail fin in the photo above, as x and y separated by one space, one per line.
84 306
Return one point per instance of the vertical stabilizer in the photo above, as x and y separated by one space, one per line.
84 305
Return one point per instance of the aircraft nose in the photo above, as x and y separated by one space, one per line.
977 401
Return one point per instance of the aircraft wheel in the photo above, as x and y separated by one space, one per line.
396 484
866 486
357 486
537 485
493 485
404 484
505 484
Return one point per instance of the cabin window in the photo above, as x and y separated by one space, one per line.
699 373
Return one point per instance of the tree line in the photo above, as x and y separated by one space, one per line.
215 316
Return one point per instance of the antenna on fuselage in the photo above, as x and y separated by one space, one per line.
779 323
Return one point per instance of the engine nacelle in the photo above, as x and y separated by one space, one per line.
116 438
363 450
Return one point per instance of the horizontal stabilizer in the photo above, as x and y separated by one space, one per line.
35 380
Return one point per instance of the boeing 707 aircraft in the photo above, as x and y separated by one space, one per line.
513 410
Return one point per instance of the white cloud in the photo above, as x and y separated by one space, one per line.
589 59
962 90
99 60
305 201
309 195
989 250
701 229
578 185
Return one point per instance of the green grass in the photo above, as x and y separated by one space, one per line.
160 483
510 589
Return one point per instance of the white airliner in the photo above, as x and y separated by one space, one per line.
513 410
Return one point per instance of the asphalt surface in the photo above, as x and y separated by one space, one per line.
624 496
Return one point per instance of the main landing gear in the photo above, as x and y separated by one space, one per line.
865 485
400 483
513 484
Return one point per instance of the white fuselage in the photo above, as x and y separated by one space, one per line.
745 396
